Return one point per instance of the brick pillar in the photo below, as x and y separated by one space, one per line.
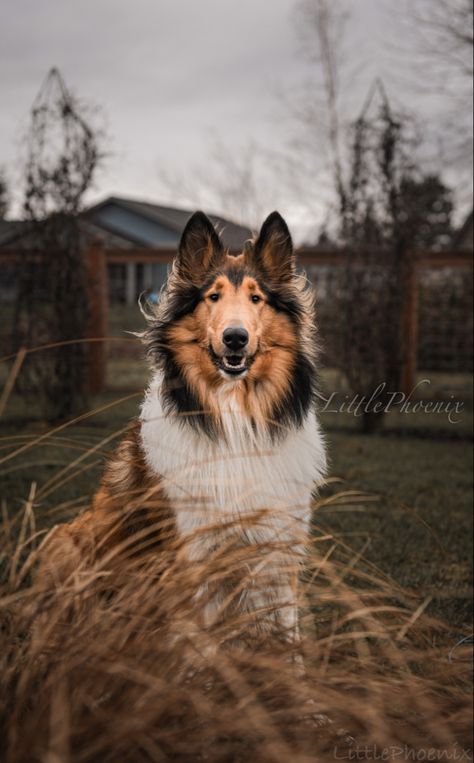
98 290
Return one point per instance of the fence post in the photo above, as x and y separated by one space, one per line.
98 298
409 325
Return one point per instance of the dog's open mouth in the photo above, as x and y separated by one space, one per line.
233 365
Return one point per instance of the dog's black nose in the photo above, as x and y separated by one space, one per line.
235 338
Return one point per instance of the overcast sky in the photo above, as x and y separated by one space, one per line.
171 75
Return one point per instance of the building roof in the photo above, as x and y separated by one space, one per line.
171 219
120 222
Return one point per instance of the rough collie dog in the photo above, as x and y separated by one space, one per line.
227 438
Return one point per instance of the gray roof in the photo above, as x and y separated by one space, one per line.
232 234
155 216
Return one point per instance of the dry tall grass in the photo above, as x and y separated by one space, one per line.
112 665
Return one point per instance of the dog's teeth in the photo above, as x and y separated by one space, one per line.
233 366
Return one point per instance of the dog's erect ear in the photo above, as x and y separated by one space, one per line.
273 249
200 249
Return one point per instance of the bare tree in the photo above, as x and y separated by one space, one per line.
248 182
444 30
52 305
388 208
242 184
322 28
431 47
435 58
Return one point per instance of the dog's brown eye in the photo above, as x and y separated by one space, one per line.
213 297
256 298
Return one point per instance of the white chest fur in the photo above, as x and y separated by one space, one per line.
211 483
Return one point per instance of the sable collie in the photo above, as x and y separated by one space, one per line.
227 438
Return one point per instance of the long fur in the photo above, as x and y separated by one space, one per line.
218 458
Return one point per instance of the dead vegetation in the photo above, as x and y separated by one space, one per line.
112 664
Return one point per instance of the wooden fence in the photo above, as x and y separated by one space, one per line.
313 260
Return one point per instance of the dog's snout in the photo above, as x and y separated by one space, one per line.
235 338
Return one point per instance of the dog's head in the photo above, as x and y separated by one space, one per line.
237 309
241 320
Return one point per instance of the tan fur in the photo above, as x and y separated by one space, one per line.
271 334
127 506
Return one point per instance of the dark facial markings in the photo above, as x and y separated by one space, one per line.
283 302
183 303
235 275
178 396
280 300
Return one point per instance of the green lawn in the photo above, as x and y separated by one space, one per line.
419 529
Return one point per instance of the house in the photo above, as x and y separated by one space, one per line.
126 228
126 223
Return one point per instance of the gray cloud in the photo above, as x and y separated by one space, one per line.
165 73
168 74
